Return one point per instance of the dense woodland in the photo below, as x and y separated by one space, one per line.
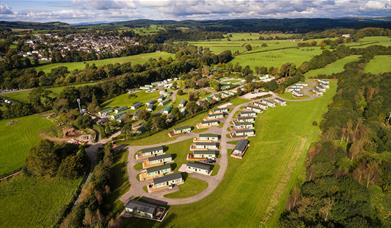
348 170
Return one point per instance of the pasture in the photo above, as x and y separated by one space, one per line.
17 136
379 64
371 40
262 180
332 68
129 99
34 202
134 59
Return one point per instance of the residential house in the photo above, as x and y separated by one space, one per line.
204 146
158 160
205 154
207 137
254 108
280 101
196 167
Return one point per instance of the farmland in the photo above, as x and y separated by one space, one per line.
261 181
332 68
379 64
17 136
126 100
134 59
34 202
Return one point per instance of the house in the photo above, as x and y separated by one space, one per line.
269 103
196 167
159 170
182 104
208 123
266 78
136 105
246 119
145 210
243 133
240 149
207 138
148 152
165 182
181 130
261 105
157 160
204 146
216 116
238 125
120 109
205 154
280 101
167 109
248 114
254 108
151 102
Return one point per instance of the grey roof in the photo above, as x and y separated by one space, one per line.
242 123
207 143
147 150
244 130
248 111
245 118
157 168
183 101
210 121
137 104
279 99
182 128
241 146
162 156
215 152
141 206
200 166
209 135
166 178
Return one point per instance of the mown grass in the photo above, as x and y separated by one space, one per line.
180 151
17 136
191 187
248 186
379 64
134 59
34 202
332 68
128 100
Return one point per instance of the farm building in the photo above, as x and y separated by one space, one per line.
157 160
243 133
238 125
136 105
145 210
280 101
207 138
248 114
205 154
254 109
165 181
204 146
200 168
153 151
246 120
240 149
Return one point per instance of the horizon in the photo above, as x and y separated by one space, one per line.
106 11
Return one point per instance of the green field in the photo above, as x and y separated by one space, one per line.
17 136
134 59
34 202
332 68
124 100
371 40
276 156
191 187
379 64
277 58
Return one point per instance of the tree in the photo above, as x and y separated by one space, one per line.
43 159
248 47
74 166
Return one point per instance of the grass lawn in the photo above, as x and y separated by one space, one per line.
379 64
180 151
371 40
34 202
191 187
332 68
124 100
284 135
134 59
277 58
162 136
119 183
238 100
17 136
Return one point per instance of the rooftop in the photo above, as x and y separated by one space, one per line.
199 166
166 178
241 146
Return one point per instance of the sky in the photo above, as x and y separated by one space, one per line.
89 11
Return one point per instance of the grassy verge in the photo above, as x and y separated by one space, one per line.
191 187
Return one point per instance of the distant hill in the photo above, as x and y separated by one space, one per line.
234 25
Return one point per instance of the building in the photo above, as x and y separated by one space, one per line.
151 102
182 104
238 125
243 133
161 98
159 170
240 149
182 130
280 101
248 114
204 154
261 105
215 116
196 167
297 94
163 182
145 210
254 109
136 105
204 146
120 109
207 138
164 102
148 152
157 160
219 111
150 107
246 120
208 123
105 112
269 103
167 109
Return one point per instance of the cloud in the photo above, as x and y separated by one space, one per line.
5 9
112 10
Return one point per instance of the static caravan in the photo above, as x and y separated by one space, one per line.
207 138
196 167
246 120
240 149
254 109
243 133
205 146
205 154
166 181
153 151
248 114
238 125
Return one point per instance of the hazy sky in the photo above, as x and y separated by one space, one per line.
75 11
